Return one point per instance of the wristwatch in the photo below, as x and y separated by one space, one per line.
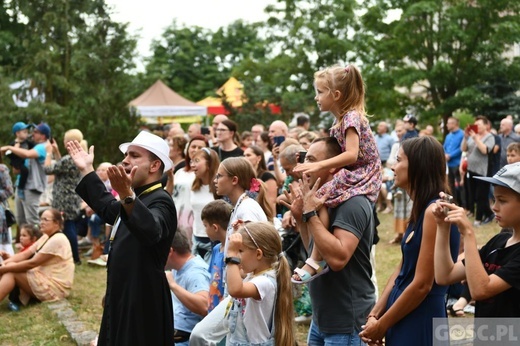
232 260
130 199
306 216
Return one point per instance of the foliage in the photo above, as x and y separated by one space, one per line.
77 60
440 51
186 61
307 35
429 57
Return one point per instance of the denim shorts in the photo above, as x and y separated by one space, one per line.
317 338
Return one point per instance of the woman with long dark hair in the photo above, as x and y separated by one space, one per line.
404 313
255 155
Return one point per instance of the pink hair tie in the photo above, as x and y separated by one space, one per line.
347 69
255 185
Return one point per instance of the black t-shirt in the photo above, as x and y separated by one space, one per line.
178 166
237 152
267 176
505 263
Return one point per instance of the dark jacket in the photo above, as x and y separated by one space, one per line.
138 305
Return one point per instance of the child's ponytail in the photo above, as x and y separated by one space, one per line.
264 236
284 322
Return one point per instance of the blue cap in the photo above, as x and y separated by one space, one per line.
43 128
20 126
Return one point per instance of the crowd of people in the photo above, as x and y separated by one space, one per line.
195 220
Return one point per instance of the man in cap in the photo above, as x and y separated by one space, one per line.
27 199
137 303
410 122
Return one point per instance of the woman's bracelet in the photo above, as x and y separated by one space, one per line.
372 315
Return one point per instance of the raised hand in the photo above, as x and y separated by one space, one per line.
295 198
120 180
235 243
83 160
311 201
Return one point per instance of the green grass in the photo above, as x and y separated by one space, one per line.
37 325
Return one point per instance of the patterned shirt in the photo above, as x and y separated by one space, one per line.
66 178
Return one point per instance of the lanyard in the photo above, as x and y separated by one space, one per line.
234 211
118 220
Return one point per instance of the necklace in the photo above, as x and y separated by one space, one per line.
262 272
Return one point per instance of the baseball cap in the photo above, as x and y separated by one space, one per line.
43 128
508 176
153 144
410 119
20 126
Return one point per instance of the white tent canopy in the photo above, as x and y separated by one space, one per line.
160 101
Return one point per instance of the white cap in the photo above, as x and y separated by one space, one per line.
508 176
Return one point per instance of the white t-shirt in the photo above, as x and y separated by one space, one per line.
181 198
198 200
258 314
246 210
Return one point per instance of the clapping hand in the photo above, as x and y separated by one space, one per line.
120 180
311 201
295 198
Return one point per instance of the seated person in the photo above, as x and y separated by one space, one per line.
45 271
29 234
189 283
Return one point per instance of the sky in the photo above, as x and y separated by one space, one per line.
149 18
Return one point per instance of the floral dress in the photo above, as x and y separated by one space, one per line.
364 176
6 190
64 196
52 280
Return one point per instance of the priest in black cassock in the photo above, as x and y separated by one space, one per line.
137 303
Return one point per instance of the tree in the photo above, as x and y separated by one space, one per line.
78 60
305 36
10 33
441 50
186 60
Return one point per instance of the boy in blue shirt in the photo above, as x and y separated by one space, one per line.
215 218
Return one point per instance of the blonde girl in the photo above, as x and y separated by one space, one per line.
204 164
235 180
261 308
341 91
